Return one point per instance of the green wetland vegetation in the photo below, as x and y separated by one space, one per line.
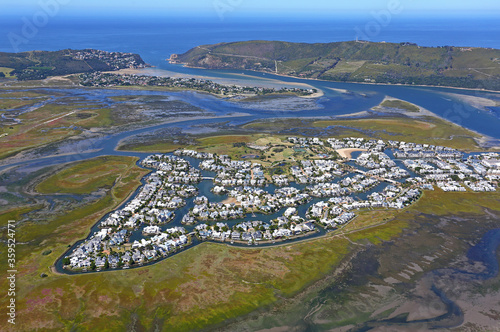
87 176
401 105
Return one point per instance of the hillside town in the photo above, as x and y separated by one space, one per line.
192 196
115 60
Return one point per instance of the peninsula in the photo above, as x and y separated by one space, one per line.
355 61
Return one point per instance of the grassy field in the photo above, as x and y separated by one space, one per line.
428 130
424 130
87 176
440 203
14 93
35 238
345 67
14 214
6 71
400 104
50 123
9 101
276 125
70 115
223 144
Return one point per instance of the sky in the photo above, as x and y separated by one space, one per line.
251 7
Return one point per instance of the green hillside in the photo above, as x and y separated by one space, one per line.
41 64
403 63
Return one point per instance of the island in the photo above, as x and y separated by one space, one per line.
262 204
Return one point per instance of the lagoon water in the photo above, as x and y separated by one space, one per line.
155 39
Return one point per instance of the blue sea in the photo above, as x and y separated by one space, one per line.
156 38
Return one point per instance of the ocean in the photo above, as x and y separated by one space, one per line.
156 38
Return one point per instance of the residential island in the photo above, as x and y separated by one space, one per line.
295 198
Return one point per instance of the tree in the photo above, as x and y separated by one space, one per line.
66 261
106 265
92 265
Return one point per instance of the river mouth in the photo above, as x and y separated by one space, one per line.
434 276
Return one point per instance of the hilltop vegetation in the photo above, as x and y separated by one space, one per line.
41 64
403 63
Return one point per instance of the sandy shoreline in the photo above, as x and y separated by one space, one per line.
421 111
346 153
266 82
474 101
481 140
365 83
318 94
344 91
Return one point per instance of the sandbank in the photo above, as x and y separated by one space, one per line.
346 153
